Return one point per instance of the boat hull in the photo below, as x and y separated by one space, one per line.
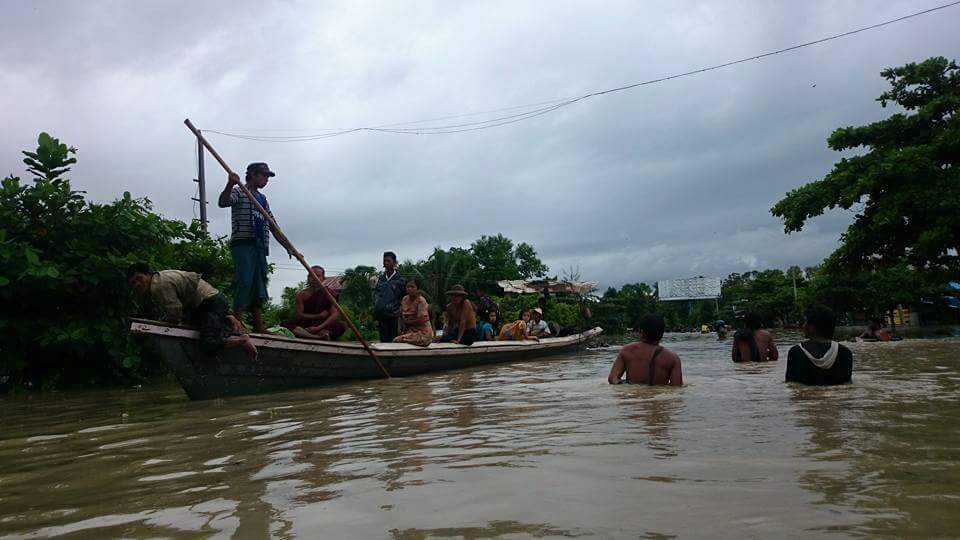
285 363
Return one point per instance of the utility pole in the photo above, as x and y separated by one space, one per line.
202 185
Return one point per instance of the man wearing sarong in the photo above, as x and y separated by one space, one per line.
646 362
388 292
819 361
185 297
316 316
459 318
250 241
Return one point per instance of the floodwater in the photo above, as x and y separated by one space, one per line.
542 449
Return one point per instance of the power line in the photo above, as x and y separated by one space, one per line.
545 107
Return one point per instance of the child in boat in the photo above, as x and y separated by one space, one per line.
518 330
415 326
486 329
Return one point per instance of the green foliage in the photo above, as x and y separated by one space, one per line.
357 287
768 294
621 310
497 259
62 264
905 183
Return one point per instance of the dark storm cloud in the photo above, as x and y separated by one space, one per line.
668 180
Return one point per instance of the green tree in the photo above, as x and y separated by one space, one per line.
62 263
905 183
497 259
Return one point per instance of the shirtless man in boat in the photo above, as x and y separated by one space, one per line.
646 362
316 317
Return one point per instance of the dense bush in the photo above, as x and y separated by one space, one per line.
62 284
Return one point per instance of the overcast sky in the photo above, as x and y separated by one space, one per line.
663 181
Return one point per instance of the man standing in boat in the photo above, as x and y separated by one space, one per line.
185 296
389 292
250 241
646 362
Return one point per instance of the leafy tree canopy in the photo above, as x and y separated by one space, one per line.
905 183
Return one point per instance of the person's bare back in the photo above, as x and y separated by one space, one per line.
634 360
766 348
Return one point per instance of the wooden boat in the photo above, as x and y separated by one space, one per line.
288 363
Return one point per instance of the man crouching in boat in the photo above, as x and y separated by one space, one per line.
646 362
316 316
184 296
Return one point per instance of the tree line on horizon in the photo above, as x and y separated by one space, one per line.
67 304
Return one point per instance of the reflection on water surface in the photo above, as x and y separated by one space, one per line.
542 449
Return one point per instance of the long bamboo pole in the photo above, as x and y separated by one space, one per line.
299 256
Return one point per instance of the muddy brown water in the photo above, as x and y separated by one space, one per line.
539 449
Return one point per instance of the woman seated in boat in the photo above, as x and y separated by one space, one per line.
518 330
415 326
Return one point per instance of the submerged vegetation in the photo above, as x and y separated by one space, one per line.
67 304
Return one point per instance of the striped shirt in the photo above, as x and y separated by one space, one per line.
242 217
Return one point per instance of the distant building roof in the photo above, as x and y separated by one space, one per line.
522 286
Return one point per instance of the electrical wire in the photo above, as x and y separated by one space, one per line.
544 107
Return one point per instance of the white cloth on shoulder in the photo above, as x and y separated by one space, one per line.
827 360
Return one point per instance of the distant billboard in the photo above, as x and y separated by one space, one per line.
699 288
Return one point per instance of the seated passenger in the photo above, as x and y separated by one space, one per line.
875 331
486 329
645 361
485 305
415 326
184 296
538 327
316 316
819 360
459 318
752 343
517 330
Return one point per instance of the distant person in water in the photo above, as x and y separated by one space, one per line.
316 316
646 362
875 331
721 328
460 319
819 360
186 297
752 343
415 326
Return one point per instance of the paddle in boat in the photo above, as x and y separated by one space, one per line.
288 363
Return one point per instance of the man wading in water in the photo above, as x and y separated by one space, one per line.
646 362
819 361
752 343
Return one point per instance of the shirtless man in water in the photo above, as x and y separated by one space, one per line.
754 344
646 362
